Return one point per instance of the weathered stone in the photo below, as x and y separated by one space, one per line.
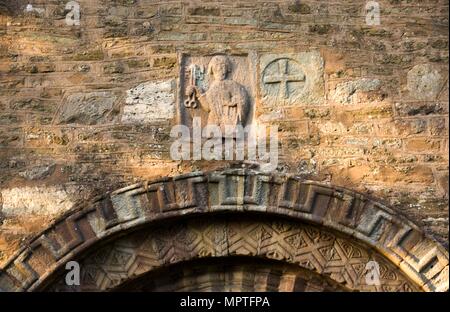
424 82
320 29
443 182
437 127
86 108
423 145
138 63
27 104
144 29
411 109
408 127
41 200
204 11
40 68
38 172
331 128
165 62
82 68
419 174
299 7
114 68
90 55
347 92
271 115
150 102
387 143
292 79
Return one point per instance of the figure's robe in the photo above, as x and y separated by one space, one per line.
227 103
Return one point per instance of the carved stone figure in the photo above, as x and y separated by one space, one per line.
226 101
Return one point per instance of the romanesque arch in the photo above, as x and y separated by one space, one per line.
320 237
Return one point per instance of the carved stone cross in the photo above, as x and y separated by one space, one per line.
283 77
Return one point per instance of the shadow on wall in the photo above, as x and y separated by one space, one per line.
11 7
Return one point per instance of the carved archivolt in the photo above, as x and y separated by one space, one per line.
419 262
340 260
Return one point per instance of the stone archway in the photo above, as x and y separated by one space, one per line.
319 259
312 230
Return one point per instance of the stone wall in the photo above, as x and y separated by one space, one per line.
87 109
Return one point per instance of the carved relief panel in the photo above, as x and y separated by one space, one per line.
226 89
291 79
220 89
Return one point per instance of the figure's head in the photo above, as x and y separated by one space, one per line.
219 67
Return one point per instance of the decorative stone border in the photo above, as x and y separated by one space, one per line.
236 190
336 259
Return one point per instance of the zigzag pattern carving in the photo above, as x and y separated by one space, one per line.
311 248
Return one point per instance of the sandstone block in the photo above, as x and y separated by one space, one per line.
38 172
412 109
422 145
347 92
42 200
424 82
437 127
149 102
409 127
86 108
